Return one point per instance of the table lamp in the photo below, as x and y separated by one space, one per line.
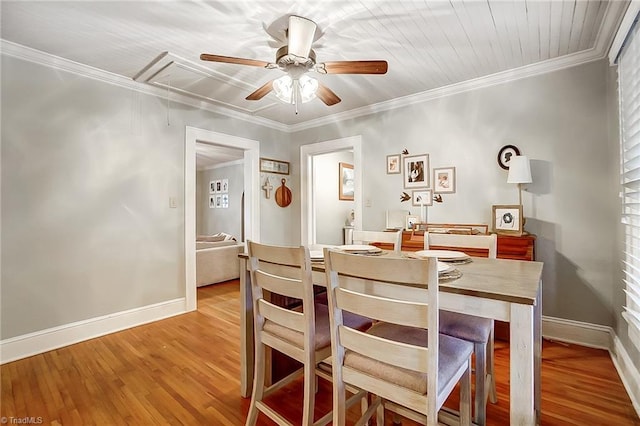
519 172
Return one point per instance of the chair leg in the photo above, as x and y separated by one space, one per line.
480 405
493 395
309 392
258 386
465 396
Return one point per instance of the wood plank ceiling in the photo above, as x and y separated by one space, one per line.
428 44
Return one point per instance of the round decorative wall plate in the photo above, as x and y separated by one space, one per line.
505 154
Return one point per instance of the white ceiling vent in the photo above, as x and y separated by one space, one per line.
179 75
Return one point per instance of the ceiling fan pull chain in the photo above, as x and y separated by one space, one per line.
296 94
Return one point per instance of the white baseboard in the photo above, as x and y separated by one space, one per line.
53 338
627 371
580 333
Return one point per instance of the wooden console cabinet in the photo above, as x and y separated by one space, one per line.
509 247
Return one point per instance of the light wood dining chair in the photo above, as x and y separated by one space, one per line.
474 329
409 367
368 237
300 333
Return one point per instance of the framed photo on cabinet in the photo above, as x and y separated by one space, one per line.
507 219
410 222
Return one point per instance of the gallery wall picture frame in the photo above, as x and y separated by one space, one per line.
212 187
394 166
225 185
415 170
507 219
218 201
212 201
410 222
505 154
422 197
225 201
270 165
444 180
346 186
218 186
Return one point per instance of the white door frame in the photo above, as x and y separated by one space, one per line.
252 200
307 198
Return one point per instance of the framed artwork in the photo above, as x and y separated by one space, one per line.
410 222
218 201
274 166
212 201
505 154
416 171
225 185
345 182
218 185
212 187
393 164
444 180
225 201
507 219
423 197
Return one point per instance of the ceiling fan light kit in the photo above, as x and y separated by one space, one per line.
296 59
287 89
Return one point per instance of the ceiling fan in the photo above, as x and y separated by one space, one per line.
296 59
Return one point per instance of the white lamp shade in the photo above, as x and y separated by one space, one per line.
519 170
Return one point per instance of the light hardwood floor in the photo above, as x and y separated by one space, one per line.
185 370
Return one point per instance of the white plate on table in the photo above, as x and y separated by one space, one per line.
445 267
359 248
443 255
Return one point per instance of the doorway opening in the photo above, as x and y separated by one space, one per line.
310 194
251 207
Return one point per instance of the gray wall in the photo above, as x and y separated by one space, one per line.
213 220
559 120
87 172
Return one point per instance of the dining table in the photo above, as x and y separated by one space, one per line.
500 289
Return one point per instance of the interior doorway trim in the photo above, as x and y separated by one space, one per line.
307 152
252 200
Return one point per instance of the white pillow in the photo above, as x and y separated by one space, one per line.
227 237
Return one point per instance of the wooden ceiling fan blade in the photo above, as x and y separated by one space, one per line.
354 67
300 33
234 60
326 95
261 92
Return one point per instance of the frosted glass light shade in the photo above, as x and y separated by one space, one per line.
284 88
519 170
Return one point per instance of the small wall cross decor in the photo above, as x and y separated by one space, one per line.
267 187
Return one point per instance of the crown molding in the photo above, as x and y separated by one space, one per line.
41 58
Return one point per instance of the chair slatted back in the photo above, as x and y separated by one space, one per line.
356 283
460 242
285 271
